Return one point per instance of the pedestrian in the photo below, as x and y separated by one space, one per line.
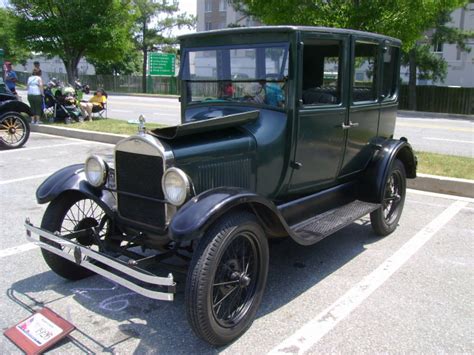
35 95
10 77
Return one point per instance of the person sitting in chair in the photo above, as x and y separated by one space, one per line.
95 104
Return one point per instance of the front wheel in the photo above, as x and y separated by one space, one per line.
227 278
14 130
66 214
385 219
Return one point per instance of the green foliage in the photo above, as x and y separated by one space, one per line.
403 19
153 25
15 51
129 63
73 29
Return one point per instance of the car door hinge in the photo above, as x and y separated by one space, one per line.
296 165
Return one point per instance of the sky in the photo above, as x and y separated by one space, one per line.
188 6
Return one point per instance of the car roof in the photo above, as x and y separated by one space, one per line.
287 29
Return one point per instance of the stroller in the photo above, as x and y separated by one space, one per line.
60 103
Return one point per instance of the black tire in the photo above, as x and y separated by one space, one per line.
14 130
229 269
61 217
385 219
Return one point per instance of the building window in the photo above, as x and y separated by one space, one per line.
438 47
208 26
208 6
223 5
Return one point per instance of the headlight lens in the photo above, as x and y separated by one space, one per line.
176 186
96 171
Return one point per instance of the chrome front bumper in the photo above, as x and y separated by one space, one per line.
117 270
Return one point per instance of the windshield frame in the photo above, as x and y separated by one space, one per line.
271 99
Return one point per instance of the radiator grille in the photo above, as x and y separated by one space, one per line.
140 175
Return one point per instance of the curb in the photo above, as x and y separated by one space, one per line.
421 114
101 137
424 182
443 185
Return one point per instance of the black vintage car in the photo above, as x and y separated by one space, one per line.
286 131
14 119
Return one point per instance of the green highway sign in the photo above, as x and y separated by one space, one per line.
161 64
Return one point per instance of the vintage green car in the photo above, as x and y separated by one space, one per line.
286 131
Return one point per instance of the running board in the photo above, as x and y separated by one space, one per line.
320 226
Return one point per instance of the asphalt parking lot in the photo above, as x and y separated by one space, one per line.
351 293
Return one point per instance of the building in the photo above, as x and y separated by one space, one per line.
52 66
460 64
216 14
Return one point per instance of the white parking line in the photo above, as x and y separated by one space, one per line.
18 249
448 140
41 147
4 182
310 334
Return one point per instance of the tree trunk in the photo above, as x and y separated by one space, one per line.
71 68
145 55
412 80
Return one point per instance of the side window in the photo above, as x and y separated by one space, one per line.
390 80
364 86
322 68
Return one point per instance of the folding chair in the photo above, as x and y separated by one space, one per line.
100 113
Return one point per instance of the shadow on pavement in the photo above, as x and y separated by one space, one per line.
163 326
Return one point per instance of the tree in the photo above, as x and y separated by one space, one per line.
154 21
14 50
129 63
403 19
423 63
74 29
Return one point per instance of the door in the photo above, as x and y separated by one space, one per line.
362 122
322 110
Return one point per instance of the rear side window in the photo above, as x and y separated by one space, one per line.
365 69
322 67
390 72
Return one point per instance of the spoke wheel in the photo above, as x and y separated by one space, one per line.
14 130
385 219
227 278
67 214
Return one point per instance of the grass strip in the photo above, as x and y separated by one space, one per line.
109 125
445 165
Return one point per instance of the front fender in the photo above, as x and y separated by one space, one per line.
373 183
192 220
16 106
72 178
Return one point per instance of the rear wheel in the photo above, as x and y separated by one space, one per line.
68 213
227 279
385 219
14 130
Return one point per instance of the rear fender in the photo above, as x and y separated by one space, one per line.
373 181
194 218
73 179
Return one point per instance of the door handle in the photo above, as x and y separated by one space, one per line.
350 125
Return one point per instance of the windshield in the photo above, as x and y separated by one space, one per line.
245 73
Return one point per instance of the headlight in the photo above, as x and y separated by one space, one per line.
96 171
176 186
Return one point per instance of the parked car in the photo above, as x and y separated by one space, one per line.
14 119
204 197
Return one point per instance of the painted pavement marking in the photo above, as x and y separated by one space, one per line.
310 334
